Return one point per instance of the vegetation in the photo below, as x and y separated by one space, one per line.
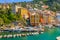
7 16
54 5
4 17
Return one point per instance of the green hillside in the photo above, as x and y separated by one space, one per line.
53 4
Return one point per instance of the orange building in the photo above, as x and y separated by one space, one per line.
42 21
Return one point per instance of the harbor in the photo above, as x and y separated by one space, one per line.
29 19
18 35
50 34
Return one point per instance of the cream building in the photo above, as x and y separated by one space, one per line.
4 6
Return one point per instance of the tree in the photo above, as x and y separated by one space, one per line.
1 21
23 4
54 5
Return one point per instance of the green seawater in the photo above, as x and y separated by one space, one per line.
51 34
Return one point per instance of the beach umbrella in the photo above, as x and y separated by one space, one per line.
13 1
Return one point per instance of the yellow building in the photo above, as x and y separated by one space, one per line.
23 11
52 18
34 19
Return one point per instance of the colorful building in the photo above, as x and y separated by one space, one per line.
34 19
4 6
49 17
58 17
23 11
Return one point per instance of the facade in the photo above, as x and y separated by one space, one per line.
58 17
43 17
4 6
49 17
34 19
23 11
52 18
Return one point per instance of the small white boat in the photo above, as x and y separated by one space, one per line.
58 25
0 36
58 38
36 33
14 36
20 35
17 35
5 36
27 33
10 36
42 32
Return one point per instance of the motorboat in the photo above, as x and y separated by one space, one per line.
58 38
58 25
